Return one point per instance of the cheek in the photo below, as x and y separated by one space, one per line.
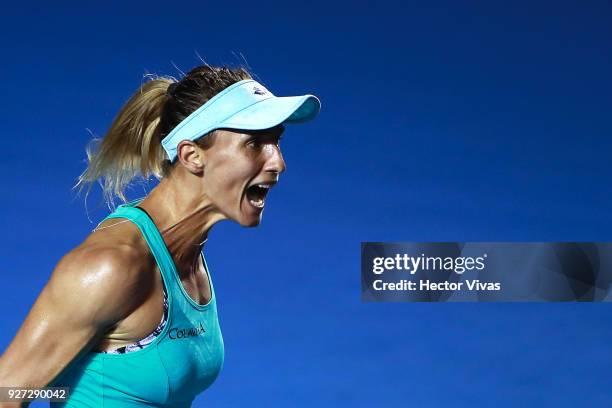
226 177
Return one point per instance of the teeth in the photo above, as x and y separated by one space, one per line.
259 203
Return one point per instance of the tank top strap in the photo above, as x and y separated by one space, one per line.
210 281
160 251
151 235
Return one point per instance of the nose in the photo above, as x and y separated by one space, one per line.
275 163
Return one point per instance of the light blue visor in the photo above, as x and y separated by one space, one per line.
246 105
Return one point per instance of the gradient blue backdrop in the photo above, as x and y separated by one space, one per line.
441 120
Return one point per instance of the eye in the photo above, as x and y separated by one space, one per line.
253 143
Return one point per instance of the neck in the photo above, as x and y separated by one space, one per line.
184 219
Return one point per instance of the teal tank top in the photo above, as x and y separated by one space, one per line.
181 362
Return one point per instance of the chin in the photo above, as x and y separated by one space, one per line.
251 224
248 222
249 217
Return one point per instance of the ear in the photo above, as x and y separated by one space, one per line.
191 156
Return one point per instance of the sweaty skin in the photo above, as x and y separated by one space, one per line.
107 292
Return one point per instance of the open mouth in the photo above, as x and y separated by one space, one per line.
256 194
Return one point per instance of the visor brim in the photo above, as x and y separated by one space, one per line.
274 111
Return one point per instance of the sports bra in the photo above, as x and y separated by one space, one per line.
140 344
179 363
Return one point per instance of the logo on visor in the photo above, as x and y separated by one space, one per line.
258 91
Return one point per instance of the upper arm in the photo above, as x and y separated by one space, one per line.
89 291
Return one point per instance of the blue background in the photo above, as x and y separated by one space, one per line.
444 121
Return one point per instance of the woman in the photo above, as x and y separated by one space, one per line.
129 318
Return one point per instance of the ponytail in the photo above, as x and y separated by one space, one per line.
132 145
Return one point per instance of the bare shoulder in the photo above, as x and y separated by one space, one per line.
101 264
92 288
111 279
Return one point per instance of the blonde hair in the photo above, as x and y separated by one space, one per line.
132 146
